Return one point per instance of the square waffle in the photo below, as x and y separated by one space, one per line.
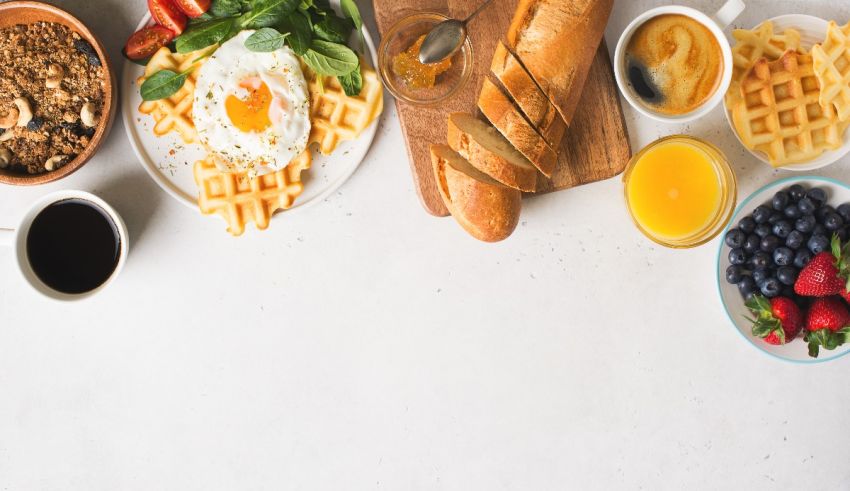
832 67
174 113
336 117
240 199
779 113
752 45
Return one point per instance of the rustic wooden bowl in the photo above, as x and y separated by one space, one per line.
28 12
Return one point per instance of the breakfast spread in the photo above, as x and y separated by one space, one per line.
415 74
51 96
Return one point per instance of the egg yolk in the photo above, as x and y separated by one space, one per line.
252 113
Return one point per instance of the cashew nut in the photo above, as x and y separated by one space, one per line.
9 119
55 74
88 115
54 162
24 111
5 157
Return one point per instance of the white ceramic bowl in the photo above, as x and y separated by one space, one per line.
812 31
733 303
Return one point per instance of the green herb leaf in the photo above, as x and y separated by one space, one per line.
300 33
327 58
225 8
266 13
350 10
265 40
206 16
334 29
203 35
352 83
162 84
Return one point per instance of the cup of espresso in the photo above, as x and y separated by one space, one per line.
673 63
69 245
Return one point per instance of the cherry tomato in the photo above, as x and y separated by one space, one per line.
167 15
146 42
193 8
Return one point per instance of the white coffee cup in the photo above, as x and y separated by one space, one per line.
17 239
716 23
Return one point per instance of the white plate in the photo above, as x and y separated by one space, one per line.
169 161
797 350
812 31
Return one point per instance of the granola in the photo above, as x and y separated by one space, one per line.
51 96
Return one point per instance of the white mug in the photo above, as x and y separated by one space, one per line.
716 23
17 239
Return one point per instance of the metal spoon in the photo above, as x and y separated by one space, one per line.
446 38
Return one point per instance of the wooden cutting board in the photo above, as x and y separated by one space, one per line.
596 146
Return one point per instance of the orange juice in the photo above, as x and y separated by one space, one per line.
677 190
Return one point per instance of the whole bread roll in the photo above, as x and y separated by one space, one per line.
486 209
556 41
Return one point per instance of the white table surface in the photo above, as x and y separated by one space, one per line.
364 344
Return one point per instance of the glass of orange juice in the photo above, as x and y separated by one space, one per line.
680 191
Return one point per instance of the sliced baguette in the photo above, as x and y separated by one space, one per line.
486 209
528 96
499 109
556 41
488 151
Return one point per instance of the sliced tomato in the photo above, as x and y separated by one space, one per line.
167 15
143 44
193 8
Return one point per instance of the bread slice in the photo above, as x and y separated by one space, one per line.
556 41
488 151
499 109
486 209
528 96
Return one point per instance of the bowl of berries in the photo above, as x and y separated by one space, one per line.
783 269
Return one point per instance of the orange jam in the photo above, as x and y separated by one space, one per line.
415 74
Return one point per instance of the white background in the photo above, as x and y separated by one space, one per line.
364 344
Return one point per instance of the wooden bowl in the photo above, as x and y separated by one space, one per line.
28 12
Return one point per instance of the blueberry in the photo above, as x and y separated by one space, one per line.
762 230
843 233
796 192
818 244
823 212
770 287
820 230
795 240
802 258
806 206
752 244
84 47
844 211
780 200
737 256
805 223
817 195
760 260
783 256
747 224
35 124
735 238
93 60
782 228
762 214
786 275
734 274
833 222
746 286
770 243
761 274
776 218
791 211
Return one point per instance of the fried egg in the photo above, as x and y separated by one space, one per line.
252 109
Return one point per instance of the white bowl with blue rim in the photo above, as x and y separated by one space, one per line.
797 350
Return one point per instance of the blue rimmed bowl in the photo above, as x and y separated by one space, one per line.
795 351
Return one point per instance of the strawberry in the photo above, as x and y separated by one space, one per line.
778 320
827 322
826 274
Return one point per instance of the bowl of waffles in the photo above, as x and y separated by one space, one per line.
789 100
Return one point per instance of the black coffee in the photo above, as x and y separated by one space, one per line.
73 246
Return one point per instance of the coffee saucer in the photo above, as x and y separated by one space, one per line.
812 31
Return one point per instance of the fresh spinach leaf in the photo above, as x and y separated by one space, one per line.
300 34
201 19
203 35
265 40
162 84
225 8
334 29
327 58
266 13
350 10
352 83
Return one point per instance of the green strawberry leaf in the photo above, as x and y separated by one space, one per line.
813 350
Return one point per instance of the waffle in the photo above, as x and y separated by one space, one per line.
779 113
832 67
752 45
240 199
336 117
174 113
